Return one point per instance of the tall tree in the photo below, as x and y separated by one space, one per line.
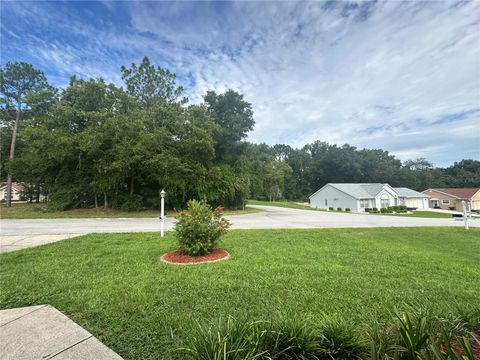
150 84
235 117
18 81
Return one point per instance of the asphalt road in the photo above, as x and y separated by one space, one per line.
17 234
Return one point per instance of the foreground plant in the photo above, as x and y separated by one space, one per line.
199 228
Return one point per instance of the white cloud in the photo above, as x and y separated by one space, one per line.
376 75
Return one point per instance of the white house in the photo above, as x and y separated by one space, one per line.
17 192
358 197
411 198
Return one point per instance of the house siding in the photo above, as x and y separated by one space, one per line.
386 194
335 198
438 197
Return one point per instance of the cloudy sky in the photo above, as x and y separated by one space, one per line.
398 75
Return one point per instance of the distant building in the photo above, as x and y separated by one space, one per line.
451 198
17 192
358 197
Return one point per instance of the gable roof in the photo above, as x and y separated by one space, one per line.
460 193
409 193
16 186
358 191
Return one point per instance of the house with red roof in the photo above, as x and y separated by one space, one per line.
451 198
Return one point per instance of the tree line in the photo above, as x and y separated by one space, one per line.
95 144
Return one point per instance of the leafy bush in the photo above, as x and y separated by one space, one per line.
347 209
330 208
385 211
451 208
402 207
339 209
368 209
199 228
375 210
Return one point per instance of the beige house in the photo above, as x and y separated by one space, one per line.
17 192
451 198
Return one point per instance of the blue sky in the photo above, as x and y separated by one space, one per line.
401 76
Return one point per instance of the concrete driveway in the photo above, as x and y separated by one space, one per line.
19 234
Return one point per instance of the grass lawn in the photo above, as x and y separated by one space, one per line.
285 204
36 211
116 287
424 214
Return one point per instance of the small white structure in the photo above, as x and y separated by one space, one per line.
17 192
358 197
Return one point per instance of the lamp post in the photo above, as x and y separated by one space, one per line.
465 217
162 212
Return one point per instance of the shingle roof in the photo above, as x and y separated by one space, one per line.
462 193
360 191
409 193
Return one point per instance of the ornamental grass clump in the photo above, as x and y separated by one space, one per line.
199 228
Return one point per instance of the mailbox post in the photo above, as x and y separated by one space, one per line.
162 213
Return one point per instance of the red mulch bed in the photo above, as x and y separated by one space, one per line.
458 349
177 257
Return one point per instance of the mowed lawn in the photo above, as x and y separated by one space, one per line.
38 211
116 287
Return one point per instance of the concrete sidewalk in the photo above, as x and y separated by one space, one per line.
43 332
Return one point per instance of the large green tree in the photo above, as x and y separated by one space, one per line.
19 83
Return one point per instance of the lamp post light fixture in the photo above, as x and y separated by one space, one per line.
162 213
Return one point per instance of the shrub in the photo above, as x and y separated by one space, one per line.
402 207
133 203
368 209
199 228
330 208
339 209
347 209
230 339
375 210
289 338
339 340
227 339
451 208
385 210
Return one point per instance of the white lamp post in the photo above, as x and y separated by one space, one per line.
465 217
162 212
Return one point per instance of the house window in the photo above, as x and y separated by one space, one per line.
363 203
445 201
326 202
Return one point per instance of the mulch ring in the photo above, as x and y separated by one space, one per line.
179 258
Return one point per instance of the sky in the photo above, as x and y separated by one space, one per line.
403 76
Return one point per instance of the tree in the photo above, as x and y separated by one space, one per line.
18 81
235 117
149 84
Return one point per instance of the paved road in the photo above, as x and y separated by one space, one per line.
17 234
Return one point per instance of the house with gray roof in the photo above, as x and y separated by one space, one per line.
357 197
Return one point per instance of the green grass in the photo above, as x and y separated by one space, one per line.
424 214
115 286
37 211
285 204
